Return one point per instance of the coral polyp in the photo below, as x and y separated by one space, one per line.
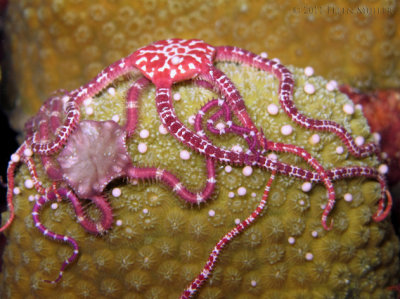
94 148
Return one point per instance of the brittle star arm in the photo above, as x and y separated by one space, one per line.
195 285
286 86
35 215
74 100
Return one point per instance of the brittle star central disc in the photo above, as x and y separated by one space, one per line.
95 155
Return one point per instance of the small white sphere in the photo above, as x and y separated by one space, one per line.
286 130
116 192
237 221
331 85
15 158
177 96
247 170
340 150
184 155
192 119
111 91
54 206
28 184
291 240
16 191
273 109
144 133
28 152
348 109
308 71
142 147
309 256
228 168
359 140
306 186
242 191
118 222
348 197
163 130
264 55
88 101
314 139
231 194
89 110
211 213
383 169
145 211
309 88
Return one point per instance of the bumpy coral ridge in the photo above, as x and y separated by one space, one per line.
158 244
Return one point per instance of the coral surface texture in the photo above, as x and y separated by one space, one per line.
123 187
62 44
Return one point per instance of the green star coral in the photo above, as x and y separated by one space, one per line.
158 244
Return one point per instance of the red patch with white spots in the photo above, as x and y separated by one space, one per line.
168 61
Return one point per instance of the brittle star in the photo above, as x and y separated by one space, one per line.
57 130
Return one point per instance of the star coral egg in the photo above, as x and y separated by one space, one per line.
309 88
